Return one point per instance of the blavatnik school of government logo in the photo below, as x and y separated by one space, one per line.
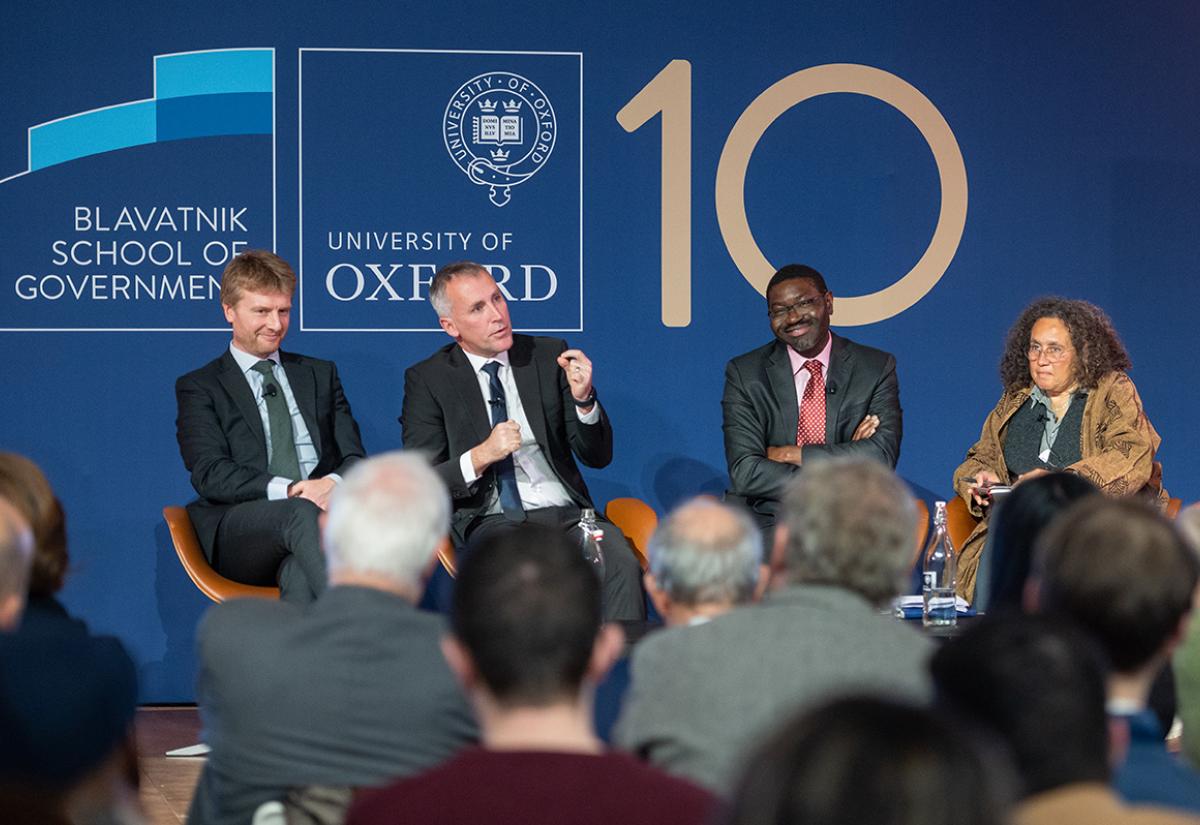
499 129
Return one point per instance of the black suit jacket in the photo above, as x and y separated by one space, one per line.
444 416
222 441
761 410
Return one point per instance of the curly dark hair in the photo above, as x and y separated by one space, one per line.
1098 350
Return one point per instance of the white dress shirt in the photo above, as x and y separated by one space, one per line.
537 484
306 451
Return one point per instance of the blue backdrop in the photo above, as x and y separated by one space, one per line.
300 123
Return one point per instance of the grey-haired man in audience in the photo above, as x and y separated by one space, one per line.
351 690
705 559
701 695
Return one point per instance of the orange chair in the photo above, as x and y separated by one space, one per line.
446 556
637 520
959 522
922 531
1173 506
211 583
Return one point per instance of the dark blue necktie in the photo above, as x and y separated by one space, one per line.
506 475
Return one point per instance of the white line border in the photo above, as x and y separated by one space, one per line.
300 173
154 89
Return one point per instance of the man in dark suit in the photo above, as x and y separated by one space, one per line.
807 395
350 691
502 417
266 436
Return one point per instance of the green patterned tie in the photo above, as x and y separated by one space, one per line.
284 461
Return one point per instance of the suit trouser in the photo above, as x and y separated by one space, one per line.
622 592
273 542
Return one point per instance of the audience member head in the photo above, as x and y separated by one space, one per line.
67 751
1124 574
16 551
1186 661
705 558
526 620
385 523
1037 683
256 270
26 488
859 760
847 522
1015 526
1188 524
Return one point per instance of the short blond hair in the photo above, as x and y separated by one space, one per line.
256 270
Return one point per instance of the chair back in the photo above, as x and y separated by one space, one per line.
959 522
211 583
922 531
447 557
637 520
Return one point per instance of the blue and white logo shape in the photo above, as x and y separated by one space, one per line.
499 129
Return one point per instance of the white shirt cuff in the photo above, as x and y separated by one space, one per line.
591 416
467 468
277 488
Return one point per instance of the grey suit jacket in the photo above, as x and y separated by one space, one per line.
760 410
702 697
352 691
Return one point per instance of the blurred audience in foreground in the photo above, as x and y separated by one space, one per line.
528 647
701 696
1187 658
16 553
705 560
1015 526
1126 576
67 752
865 760
25 486
350 690
1037 684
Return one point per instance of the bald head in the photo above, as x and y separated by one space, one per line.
706 552
16 552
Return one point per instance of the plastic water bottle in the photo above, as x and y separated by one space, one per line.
940 573
590 539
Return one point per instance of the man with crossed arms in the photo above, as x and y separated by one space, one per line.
807 395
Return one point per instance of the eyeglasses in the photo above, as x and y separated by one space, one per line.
1054 353
803 305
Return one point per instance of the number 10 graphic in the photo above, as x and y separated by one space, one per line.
670 93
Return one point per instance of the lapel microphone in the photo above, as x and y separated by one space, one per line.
269 391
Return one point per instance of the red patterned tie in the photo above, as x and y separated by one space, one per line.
810 429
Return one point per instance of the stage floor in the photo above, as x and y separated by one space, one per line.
167 782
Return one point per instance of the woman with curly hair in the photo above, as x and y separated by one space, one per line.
1067 405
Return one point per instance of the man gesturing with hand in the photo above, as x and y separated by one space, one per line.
503 418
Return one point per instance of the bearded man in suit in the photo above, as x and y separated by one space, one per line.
807 395
266 436
503 417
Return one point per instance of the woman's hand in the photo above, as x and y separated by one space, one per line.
983 480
